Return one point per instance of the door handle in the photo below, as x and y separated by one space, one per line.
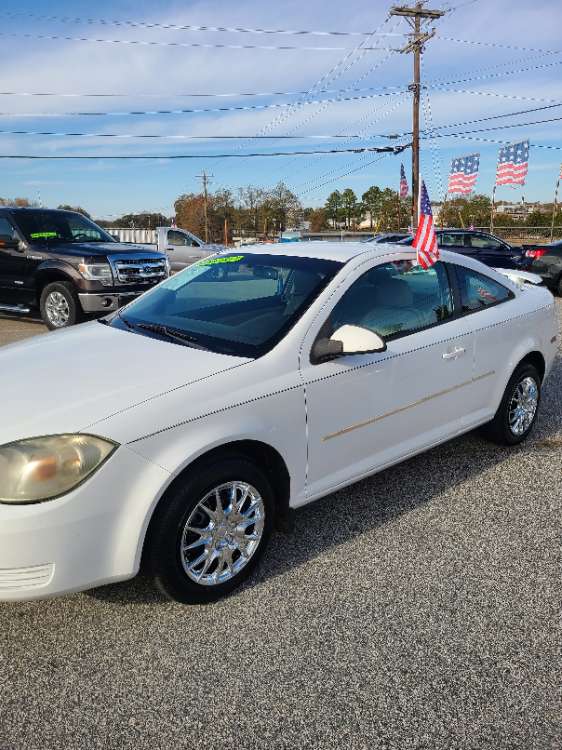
458 351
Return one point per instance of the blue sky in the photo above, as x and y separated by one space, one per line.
158 76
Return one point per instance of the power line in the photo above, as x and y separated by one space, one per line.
314 188
190 27
199 110
181 45
164 157
465 137
184 137
497 45
335 136
432 83
501 127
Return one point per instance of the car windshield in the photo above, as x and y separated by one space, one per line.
59 226
241 304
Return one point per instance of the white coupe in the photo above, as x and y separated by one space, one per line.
179 431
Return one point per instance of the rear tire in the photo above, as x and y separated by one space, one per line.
198 550
517 413
60 306
559 286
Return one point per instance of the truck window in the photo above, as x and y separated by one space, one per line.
179 238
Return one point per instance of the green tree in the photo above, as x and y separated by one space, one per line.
78 209
349 207
333 207
372 199
466 211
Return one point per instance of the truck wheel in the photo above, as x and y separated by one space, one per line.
60 306
559 286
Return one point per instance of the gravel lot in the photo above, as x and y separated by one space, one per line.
417 609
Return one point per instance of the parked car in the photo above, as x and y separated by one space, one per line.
182 247
482 246
181 429
546 261
66 267
389 237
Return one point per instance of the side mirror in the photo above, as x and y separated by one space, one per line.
358 340
8 242
115 237
347 339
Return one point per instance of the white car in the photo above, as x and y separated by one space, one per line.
180 430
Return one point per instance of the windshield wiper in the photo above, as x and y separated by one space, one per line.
172 333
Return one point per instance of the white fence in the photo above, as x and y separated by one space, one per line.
137 236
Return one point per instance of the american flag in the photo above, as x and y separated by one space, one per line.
560 175
403 183
513 164
464 173
425 241
173 224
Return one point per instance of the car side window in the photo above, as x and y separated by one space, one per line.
6 228
396 299
484 242
446 239
177 238
478 291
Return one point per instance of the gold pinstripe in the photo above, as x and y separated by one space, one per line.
423 400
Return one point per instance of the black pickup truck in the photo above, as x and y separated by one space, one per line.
68 268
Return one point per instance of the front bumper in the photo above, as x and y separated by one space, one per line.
105 302
89 537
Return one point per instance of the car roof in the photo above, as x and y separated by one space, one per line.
23 209
320 249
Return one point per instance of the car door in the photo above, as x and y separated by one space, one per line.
13 267
367 411
489 307
492 251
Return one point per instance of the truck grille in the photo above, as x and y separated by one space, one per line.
139 270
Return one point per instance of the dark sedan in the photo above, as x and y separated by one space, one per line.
546 262
482 246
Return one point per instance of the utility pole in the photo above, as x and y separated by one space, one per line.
205 179
414 16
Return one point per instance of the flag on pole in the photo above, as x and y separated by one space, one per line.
513 164
425 241
463 174
174 225
560 174
403 183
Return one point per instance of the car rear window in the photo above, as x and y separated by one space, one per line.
478 291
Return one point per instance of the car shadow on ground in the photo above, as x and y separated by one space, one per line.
375 501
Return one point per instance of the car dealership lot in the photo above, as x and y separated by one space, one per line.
415 609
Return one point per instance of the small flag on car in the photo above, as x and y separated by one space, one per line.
403 183
173 224
425 241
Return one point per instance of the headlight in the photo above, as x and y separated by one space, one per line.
97 272
46 467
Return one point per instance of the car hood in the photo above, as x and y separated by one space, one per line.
68 380
97 249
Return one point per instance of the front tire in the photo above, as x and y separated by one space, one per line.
209 533
519 407
60 306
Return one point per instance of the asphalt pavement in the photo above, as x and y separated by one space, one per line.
416 609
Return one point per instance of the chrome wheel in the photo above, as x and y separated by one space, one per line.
523 406
57 309
222 533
